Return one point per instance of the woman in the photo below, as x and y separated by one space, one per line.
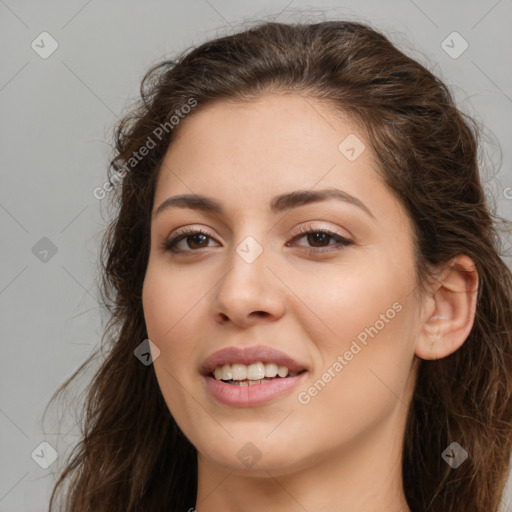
309 307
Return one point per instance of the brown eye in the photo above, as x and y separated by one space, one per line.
319 240
195 239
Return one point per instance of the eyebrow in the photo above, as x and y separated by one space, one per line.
281 203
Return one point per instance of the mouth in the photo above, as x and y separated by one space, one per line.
253 374
228 388
248 376
248 382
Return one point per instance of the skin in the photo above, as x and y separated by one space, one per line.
342 450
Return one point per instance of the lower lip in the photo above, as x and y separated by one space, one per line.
247 396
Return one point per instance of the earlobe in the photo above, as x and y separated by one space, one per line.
450 314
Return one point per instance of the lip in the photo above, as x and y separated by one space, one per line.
250 355
248 396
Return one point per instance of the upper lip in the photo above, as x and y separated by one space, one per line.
250 355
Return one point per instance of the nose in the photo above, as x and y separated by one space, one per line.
248 293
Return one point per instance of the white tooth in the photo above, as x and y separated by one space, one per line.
227 375
282 371
252 382
239 371
270 370
243 383
256 371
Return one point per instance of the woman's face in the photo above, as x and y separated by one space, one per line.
341 304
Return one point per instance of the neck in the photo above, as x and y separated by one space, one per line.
365 476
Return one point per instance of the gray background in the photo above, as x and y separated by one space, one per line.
56 120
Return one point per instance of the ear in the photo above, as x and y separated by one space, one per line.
449 310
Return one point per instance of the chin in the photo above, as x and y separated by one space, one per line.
255 458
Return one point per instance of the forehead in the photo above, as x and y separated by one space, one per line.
247 153
273 127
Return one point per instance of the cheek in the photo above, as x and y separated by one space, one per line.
168 303
365 336
175 304
171 313
359 386
170 310
340 304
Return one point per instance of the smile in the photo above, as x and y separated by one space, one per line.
248 392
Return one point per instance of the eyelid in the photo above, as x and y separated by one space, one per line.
311 226
188 229
303 228
180 234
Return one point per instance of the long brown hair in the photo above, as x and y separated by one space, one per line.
132 456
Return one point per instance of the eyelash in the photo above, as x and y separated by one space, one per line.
168 245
